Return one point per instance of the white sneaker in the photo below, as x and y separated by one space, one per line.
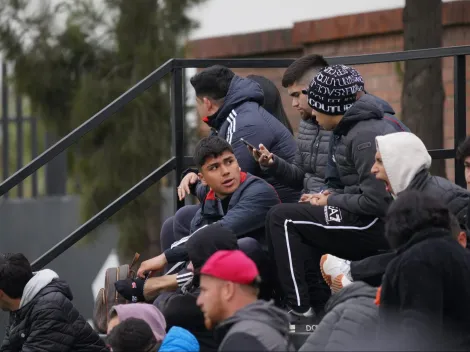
331 268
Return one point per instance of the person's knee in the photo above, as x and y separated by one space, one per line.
249 246
280 213
166 234
188 211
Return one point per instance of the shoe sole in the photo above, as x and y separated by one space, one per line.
325 276
337 284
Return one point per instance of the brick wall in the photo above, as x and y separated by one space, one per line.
366 33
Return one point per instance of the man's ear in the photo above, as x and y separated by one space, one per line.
227 290
359 94
201 177
462 239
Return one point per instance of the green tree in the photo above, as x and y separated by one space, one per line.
72 58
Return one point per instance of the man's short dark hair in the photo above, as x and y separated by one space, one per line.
15 272
210 147
213 82
297 70
132 335
463 151
412 212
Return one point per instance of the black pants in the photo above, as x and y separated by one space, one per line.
371 269
291 228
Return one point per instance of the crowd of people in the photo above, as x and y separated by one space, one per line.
342 227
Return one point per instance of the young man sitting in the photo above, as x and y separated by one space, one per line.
236 200
402 163
42 315
348 221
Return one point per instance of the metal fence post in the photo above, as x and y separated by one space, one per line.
177 125
19 140
5 124
460 114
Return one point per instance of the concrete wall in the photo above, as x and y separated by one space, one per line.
32 226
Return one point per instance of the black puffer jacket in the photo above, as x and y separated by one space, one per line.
455 197
48 321
350 321
308 168
353 152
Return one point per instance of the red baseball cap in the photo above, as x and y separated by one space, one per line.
234 266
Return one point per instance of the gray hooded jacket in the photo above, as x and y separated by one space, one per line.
259 326
350 321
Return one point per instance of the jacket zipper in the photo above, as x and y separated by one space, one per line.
315 144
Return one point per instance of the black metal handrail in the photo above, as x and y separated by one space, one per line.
175 67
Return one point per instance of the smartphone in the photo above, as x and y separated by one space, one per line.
248 144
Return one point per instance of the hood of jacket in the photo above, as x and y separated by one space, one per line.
261 311
386 107
356 289
404 155
40 280
366 108
241 90
179 339
147 312
208 240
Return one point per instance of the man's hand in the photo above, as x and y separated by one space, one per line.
154 264
183 189
262 156
320 199
307 197
156 285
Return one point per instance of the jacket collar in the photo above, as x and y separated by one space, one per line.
211 194
423 235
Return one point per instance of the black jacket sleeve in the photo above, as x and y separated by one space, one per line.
291 175
371 198
240 341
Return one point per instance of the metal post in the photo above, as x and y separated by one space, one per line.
19 140
34 153
5 124
460 114
177 125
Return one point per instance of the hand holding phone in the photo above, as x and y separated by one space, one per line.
255 152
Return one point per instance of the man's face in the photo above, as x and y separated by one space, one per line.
4 302
210 300
205 107
378 170
326 121
467 169
299 100
221 174
112 323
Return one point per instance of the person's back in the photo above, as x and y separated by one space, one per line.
234 111
261 321
350 321
422 289
42 316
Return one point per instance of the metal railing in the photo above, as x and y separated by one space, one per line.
175 67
